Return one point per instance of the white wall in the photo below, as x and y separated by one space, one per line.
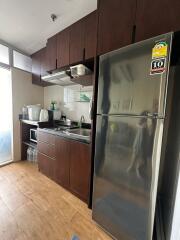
23 93
73 110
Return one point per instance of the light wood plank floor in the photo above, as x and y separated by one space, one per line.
32 207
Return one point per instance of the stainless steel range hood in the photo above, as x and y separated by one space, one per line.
64 77
59 78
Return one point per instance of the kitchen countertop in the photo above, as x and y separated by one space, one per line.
66 134
35 123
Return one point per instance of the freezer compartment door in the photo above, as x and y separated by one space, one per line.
126 171
126 83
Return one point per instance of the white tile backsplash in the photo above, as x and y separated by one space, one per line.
67 100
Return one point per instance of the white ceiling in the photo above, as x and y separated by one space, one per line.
26 24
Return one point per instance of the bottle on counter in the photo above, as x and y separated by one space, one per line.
24 112
28 154
34 155
53 105
31 155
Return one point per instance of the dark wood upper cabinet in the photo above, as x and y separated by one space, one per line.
51 52
80 167
44 67
39 63
70 46
77 49
36 68
83 38
62 162
90 35
63 39
156 17
43 61
116 21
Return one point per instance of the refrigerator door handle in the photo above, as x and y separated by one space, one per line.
131 103
152 115
155 168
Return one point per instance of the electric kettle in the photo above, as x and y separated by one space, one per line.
44 116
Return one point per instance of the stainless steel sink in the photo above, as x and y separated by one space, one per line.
79 132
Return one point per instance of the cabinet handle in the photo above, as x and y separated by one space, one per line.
84 53
133 34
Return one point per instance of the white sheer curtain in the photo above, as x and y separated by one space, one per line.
5 115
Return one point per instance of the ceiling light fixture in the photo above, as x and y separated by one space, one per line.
53 17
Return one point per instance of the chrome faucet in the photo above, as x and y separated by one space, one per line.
82 120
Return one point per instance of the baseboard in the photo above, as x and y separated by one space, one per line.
6 163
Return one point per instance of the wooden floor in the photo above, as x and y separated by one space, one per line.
34 207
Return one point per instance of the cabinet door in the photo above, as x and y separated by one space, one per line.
80 166
46 137
51 53
63 48
156 17
44 67
36 68
43 61
77 49
47 149
46 165
116 21
62 162
90 35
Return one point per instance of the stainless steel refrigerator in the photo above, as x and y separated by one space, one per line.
133 86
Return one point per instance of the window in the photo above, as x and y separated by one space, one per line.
8 56
22 61
6 120
4 54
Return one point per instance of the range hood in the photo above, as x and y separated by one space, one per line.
65 77
59 78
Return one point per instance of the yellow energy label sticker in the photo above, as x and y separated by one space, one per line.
160 50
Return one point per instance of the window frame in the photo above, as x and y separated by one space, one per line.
11 62
25 55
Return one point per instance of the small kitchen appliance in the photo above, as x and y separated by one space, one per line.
33 135
34 112
44 116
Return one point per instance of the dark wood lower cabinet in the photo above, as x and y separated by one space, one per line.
47 149
46 165
62 162
80 167
46 138
65 161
